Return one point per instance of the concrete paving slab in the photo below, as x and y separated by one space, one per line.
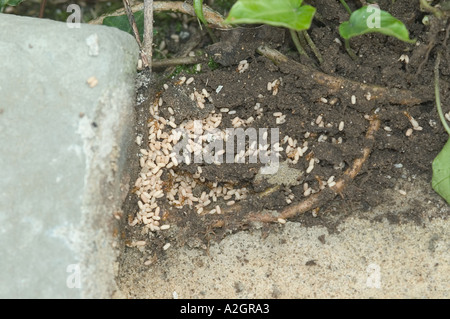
66 118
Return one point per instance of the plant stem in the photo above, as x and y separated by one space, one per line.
426 6
438 95
302 39
349 49
297 43
346 6
133 25
313 46
148 31
42 8
211 34
198 7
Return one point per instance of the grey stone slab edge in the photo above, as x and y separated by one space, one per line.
38 246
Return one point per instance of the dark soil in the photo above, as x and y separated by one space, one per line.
395 159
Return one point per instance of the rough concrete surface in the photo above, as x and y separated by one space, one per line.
367 256
63 149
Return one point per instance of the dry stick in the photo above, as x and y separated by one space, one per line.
337 83
148 31
42 8
214 19
326 194
133 25
177 61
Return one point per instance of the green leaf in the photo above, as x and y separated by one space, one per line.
122 23
370 19
441 173
198 8
280 13
4 3
10 2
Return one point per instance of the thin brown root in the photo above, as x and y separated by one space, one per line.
427 56
337 83
214 19
328 194
231 209
269 191
177 61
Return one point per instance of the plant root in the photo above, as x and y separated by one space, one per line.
430 47
214 19
177 61
327 194
337 83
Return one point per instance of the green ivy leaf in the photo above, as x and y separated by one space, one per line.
122 23
441 173
370 19
280 13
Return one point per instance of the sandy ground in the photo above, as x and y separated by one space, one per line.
367 257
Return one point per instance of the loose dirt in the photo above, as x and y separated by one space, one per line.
313 116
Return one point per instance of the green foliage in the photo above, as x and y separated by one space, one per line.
441 164
122 23
4 3
213 65
441 173
370 19
198 8
10 2
281 13
186 69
